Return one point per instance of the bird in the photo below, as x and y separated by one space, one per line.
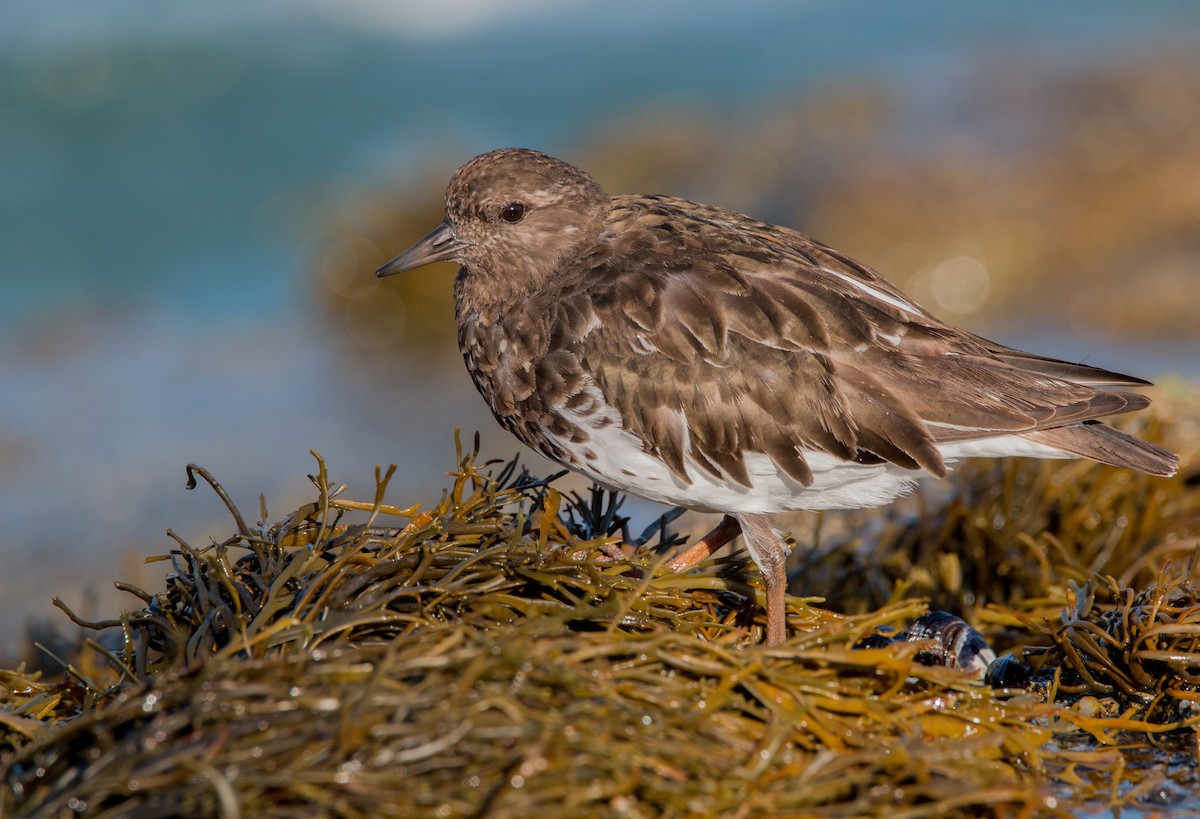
698 357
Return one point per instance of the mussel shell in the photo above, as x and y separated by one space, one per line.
878 639
1008 671
956 643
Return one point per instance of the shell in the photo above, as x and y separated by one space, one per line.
956 643
1008 671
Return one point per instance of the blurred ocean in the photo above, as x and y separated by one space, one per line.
167 169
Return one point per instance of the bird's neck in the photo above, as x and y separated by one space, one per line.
489 293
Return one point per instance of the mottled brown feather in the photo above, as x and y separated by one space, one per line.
712 335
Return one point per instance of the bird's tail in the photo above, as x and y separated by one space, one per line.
1100 442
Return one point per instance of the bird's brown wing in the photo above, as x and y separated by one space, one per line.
714 335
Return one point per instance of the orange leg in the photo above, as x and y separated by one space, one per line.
703 548
768 551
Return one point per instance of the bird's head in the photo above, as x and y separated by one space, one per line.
514 215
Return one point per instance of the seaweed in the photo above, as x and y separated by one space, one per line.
506 651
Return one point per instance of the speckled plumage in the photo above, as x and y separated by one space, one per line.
696 356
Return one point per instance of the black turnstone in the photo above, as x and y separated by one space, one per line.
700 358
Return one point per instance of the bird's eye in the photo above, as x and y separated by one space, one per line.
512 212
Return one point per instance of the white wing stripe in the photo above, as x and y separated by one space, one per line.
876 294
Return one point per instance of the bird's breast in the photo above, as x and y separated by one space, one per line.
536 389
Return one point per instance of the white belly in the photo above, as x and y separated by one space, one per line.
620 462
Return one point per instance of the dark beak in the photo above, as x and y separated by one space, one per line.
439 245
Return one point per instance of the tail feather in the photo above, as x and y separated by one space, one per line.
1057 368
1100 442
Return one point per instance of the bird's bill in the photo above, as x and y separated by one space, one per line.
439 245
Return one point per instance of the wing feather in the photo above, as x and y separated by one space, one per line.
761 340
